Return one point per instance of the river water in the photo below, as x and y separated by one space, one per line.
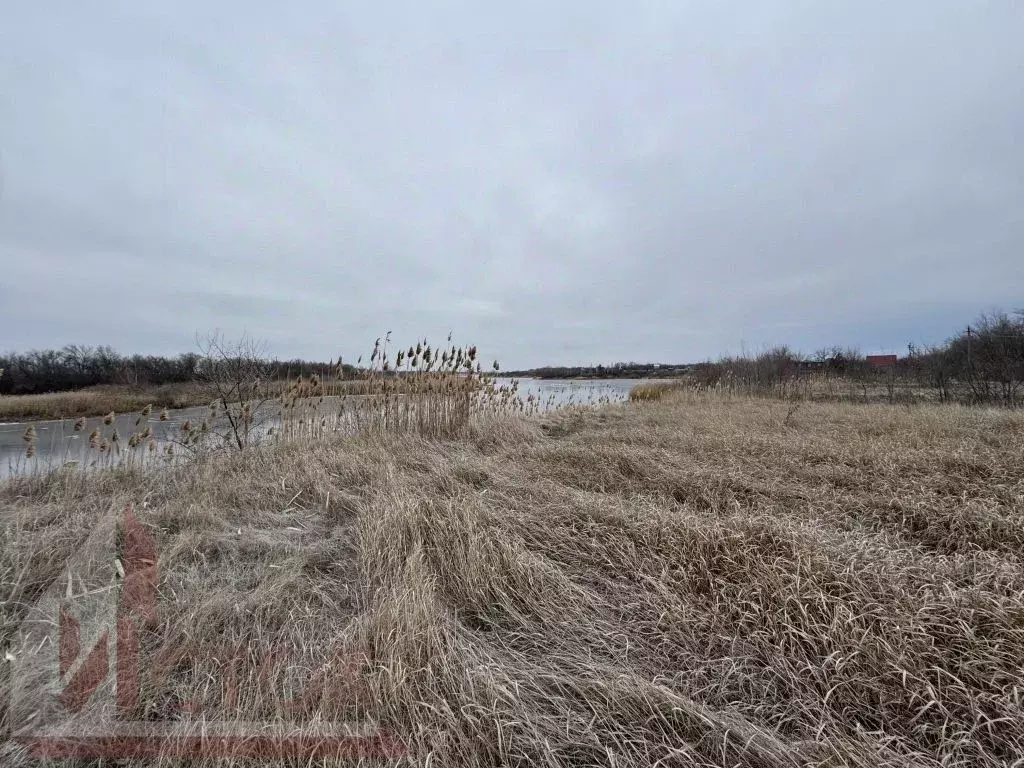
57 442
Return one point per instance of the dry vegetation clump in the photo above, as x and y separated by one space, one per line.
421 390
652 391
681 582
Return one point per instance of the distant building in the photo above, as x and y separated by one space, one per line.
881 361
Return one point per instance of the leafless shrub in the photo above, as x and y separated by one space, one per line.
236 375
989 358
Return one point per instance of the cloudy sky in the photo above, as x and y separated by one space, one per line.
554 181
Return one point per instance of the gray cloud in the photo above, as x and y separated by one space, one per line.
557 183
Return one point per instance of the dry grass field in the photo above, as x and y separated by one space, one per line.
690 580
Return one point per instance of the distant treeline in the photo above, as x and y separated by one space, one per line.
984 363
76 367
613 371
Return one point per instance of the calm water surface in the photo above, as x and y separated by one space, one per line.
57 443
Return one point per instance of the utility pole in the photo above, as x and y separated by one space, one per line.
969 367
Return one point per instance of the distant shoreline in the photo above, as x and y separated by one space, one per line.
600 372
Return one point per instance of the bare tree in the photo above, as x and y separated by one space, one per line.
989 356
933 367
237 374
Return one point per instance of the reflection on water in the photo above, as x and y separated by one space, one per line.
57 443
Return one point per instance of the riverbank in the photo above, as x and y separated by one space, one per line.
100 400
96 401
699 579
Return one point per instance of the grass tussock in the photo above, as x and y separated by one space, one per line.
651 392
679 582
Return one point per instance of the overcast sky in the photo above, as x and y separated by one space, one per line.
554 181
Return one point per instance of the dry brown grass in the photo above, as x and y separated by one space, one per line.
696 581
95 401
653 391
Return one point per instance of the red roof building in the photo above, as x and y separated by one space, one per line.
881 361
